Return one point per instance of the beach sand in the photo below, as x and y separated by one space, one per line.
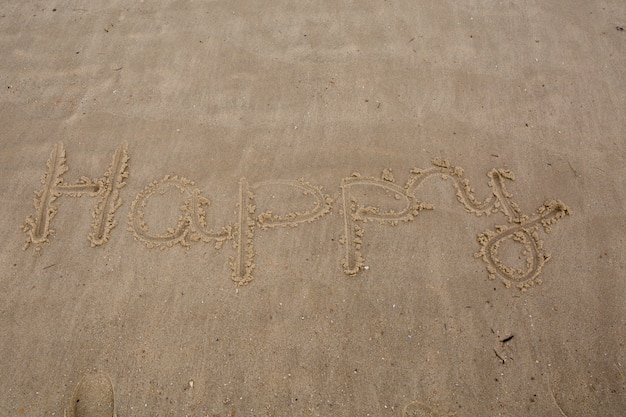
373 208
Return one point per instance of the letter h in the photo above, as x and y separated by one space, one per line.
106 189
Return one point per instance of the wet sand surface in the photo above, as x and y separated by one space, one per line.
374 208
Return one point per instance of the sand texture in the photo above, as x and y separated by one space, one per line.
289 208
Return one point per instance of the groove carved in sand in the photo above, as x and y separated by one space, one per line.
191 225
355 212
522 229
362 203
105 189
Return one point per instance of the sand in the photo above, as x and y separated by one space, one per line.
373 208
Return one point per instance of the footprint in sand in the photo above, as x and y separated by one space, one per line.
417 409
93 397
